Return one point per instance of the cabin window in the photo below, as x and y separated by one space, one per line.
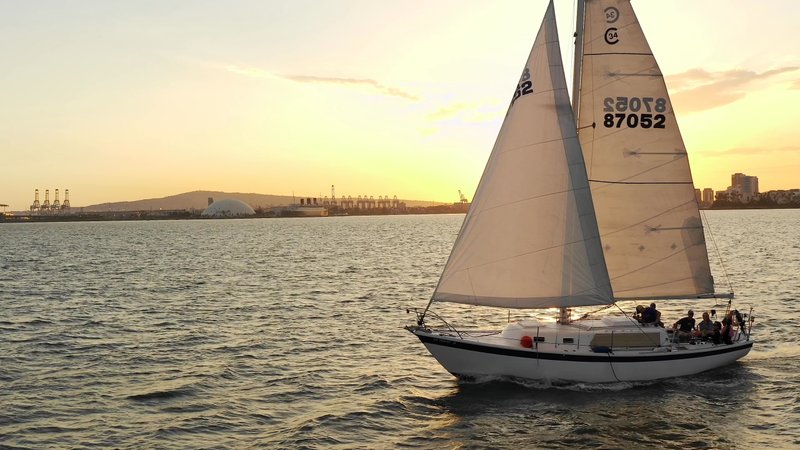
538 339
568 341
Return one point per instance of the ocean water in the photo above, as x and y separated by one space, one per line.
288 333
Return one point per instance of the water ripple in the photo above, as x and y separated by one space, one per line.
288 334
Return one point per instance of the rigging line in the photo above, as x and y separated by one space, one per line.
640 182
615 74
572 47
673 297
684 153
655 285
683 250
610 361
590 146
643 221
606 84
446 324
716 250
526 199
617 53
534 144
532 252
545 91
475 297
590 313
656 229
642 172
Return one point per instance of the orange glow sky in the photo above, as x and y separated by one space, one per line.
127 100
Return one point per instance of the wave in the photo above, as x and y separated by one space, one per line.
162 395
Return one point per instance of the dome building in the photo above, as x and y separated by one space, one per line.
228 208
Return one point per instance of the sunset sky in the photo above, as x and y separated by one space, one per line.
125 100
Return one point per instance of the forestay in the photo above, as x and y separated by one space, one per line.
638 169
530 238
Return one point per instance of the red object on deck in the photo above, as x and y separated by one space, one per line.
526 341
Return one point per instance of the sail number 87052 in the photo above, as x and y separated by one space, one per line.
634 112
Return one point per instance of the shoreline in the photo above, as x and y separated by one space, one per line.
109 216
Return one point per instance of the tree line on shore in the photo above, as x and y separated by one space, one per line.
762 200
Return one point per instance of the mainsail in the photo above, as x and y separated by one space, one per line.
530 238
637 165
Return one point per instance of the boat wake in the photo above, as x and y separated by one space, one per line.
780 351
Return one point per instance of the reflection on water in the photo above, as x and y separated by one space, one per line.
288 334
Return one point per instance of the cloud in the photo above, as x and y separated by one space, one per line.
449 111
698 90
386 90
480 111
383 89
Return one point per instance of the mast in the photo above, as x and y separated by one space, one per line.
564 312
578 60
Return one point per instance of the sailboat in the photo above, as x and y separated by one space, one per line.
582 204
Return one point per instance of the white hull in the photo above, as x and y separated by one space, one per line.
304 211
499 355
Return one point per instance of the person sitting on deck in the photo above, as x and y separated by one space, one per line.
652 316
716 336
740 320
727 328
685 327
638 314
705 328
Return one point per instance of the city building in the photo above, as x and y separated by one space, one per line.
746 185
708 196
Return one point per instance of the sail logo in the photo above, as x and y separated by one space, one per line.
612 36
524 87
612 14
612 33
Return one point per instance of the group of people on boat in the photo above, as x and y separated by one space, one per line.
687 328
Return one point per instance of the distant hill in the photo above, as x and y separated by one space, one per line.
199 200
192 200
